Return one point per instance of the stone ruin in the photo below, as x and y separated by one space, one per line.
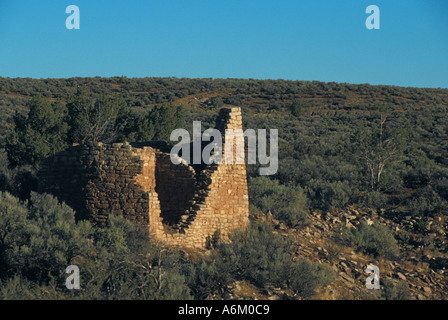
181 205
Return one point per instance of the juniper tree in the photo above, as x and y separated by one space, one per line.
96 120
41 133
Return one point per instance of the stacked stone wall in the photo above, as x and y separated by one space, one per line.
175 187
179 206
65 175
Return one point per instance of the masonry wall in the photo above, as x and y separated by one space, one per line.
175 187
65 176
179 206
99 180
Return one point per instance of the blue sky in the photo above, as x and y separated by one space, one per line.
324 40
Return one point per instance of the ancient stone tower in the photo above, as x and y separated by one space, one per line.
179 205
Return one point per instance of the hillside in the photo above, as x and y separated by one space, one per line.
328 197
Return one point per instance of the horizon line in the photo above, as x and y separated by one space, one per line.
221 78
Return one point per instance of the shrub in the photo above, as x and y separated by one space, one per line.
19 181
262 257
375 239
136 279
426 203
304 277
41 134
326 195
286 203
13 224
17 288
205 278
39 238
441 186
256 255
374 199
125 265
48 239
296 109
391 291
96 120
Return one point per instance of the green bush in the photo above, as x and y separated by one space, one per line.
13 226
326 195
261 257
39 238
93 120
305 276
427 202
41 134
288 204
377 240
155 124
125 265
205 278
296 109
18 288
374 199
392 291
256 255
136 279
43 236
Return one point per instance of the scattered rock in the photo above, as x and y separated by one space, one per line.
348 224
282 226
401 276
427 289
319 225
346 277
418 267
336 220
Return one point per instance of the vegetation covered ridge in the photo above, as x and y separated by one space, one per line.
362 178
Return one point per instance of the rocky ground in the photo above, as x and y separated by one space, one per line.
420 272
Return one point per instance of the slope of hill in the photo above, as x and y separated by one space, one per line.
326 196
